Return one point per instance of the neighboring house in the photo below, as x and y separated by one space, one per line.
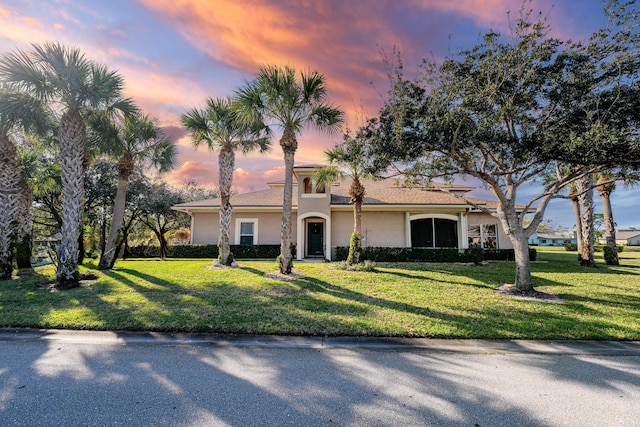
625 237
392 216
547 239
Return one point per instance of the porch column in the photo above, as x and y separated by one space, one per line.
300 240
327 252
463 239
407 229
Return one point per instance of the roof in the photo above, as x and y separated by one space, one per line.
562 236
627 234
383 192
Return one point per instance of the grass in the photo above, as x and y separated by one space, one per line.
413 299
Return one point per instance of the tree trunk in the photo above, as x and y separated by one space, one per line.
289 145
524 282
125 168
72 134
9 179
357 193
584 188
226 163
23 243
164 246
605 188
576 211
512 225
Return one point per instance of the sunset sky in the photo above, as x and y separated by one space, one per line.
175 53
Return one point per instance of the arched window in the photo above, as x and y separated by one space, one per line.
307 186
434 233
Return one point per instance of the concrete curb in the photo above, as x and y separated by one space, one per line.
470 346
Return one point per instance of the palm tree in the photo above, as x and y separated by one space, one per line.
9 179
350 159
15 111
275 95
69 83
219 127
605 185
138 140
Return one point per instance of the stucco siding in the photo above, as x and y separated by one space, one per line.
206 227
385 229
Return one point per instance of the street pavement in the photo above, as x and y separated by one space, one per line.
82 378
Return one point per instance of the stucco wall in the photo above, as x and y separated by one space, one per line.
378 228
206 227
483 218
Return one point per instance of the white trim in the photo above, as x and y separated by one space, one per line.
301 233
239 221
313 195
407 229
191 227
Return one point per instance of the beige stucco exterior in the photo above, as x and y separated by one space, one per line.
206 227
388 213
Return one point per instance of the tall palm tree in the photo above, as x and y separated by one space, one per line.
16 112
349 159
276 96
9 179
136 141
69 83
219 127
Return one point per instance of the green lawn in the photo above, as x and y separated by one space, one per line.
418 300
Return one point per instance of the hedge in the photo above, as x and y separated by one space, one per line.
381 254
205 251
596 247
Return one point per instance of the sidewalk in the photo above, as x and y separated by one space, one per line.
470 346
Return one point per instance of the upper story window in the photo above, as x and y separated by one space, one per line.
312 190
308 188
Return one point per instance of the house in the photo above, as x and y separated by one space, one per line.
549 239
322 217
625 237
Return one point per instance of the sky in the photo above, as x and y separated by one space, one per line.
173 54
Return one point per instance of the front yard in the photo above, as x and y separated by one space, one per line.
418 300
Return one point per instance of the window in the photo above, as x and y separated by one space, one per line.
246 231
483 236
307 186
434 233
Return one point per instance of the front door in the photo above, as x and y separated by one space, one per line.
315 234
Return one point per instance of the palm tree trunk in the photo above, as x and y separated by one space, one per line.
289 145
584 188
23 244
576 211
72 135
9 179
125 168
226 163
605 190
357 192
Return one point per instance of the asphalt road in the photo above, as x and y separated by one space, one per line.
50 378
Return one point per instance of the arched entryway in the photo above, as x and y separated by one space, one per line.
314 236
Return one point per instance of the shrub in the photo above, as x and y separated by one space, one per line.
571 247
382 254
205 251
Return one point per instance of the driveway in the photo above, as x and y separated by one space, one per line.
70 378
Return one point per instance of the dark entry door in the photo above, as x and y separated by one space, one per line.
315 232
